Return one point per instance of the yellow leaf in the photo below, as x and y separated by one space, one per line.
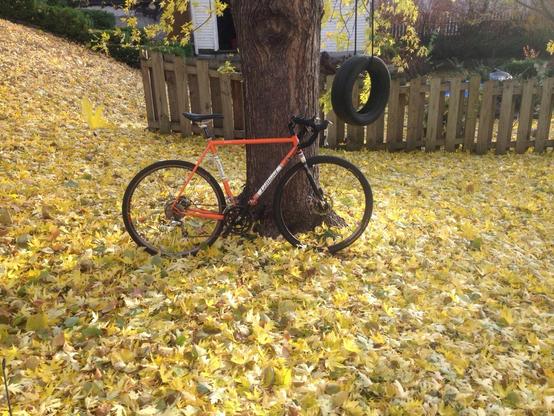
506 315
378 338
238 357
469 232
94 117
37 322
284 377
350 345
353 408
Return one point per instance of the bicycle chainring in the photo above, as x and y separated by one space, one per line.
238 220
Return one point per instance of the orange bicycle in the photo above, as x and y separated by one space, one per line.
175 208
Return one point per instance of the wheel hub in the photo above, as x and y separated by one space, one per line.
322 206
176 210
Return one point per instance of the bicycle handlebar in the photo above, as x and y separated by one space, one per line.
307 122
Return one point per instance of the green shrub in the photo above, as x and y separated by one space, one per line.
85 26
64 21
528 68
489 39
174 49
100 19
118 46
23 10
128 54
66 3
520 68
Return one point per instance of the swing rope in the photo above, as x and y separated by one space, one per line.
372 25
356 26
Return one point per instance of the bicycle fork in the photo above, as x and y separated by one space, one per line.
317 190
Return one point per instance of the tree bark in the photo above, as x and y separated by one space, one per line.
279 45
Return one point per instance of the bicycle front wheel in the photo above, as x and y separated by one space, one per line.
166 223
330 217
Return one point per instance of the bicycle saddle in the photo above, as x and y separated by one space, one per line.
201 117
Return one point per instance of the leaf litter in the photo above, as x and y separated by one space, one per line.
444 306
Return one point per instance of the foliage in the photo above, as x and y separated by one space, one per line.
64 21
550 47
227 68
401 52
172 48
23 10
100 19
65 3
528 68
443 307
490 39
165 27
124 45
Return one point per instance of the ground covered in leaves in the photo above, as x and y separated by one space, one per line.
445 305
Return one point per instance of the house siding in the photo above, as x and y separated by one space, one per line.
205 37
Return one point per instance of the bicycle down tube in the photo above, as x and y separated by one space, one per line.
212 148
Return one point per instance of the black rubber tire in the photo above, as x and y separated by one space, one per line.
343 84
126 205
278 214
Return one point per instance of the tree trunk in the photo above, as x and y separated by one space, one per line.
279 43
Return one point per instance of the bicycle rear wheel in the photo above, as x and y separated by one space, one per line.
159 223
331 222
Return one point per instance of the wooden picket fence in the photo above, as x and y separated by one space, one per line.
425 114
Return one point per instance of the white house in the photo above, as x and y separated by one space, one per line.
217 34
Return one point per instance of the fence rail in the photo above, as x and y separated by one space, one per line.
427 114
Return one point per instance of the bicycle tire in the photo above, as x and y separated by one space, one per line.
280 219
144 173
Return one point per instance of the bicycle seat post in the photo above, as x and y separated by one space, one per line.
205 132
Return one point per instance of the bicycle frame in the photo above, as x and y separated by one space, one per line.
212 148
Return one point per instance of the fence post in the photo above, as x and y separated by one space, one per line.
525 119
355 138
486 119
393 119
376 134
160 91
203 77
183 103
434 118
172 91
148 91
453 114
215 99
227 106
504 135
471 113
545 114
415 107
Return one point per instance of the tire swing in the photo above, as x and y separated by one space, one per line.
347 75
